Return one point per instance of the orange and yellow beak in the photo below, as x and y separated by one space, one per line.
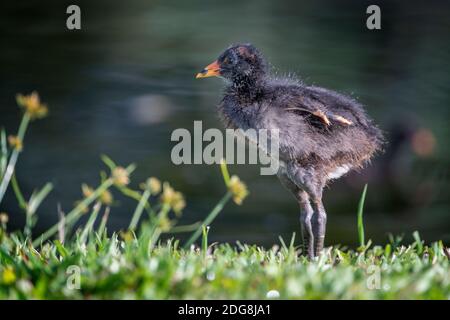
212 70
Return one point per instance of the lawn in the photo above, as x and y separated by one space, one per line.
70 261
102 267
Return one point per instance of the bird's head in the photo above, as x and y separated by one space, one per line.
238 63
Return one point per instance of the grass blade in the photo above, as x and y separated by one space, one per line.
419 243
76 212
32 206
102 227
109 163
61 250
360 217
139 209
210 218
61 225
36 199
9 170
90 223
3 152
18 193
185 228
205 231
225 173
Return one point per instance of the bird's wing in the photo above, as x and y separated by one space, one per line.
317 109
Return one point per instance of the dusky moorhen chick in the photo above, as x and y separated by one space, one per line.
322 134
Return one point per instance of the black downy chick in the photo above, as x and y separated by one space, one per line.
322 134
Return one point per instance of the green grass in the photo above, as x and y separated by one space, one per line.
88 263
113 268
360 217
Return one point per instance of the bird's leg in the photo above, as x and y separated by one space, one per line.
306 213
319 221
313 217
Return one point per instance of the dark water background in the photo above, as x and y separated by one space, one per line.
123 83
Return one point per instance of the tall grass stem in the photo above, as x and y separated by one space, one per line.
14 156
139 209
360 217
210 218
76 212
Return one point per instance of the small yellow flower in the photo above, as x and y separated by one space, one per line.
84 209
178 203
9 276
165 224
126 236
15 143
4 218
238 189
153 184
120 177
173 198
106 198
86 190
168 194
32 105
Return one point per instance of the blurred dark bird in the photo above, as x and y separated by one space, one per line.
322 134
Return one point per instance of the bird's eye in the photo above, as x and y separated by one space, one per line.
226 61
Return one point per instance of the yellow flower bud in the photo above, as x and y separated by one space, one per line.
87 190
173 198
15 143
9 276
178 203
120 177
238 189
4 218
126 236
32 105
165 224
153 184
106 198
168 194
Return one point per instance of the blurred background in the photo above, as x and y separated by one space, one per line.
125 81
